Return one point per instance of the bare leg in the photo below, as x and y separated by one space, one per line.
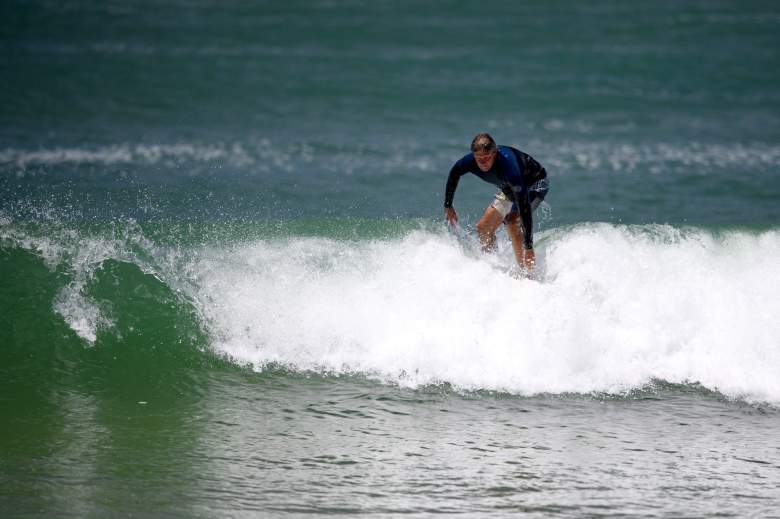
525 257
487 227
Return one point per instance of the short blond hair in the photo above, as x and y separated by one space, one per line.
483 142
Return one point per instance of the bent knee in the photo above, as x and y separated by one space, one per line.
483 227
515 230
489 222
486 227
512 219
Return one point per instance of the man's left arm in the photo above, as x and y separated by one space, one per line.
532 170
526 220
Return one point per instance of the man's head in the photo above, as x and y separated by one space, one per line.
484 149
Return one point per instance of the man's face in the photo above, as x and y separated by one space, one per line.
485 159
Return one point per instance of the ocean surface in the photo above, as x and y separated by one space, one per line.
227 289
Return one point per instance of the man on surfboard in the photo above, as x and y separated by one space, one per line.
522 184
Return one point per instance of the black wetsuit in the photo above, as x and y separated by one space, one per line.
515 173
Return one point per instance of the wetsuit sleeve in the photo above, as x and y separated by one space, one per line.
458 170
526 218
528 222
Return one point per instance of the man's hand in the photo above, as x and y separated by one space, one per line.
451 215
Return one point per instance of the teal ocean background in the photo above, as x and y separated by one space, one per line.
227 290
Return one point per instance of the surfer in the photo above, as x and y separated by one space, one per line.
522 184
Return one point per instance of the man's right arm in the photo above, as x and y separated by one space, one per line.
458 170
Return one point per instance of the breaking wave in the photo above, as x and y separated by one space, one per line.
616 307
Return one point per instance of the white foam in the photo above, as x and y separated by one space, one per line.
657 157
233 154
264 155
620 307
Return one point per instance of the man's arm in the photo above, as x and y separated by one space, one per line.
532 173
532 170
520 197
458 170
